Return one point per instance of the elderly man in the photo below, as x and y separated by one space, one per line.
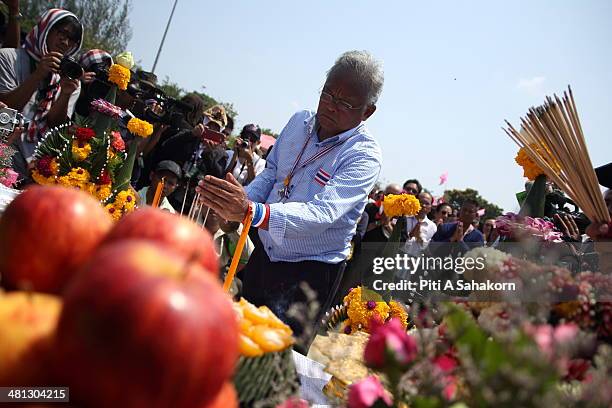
308 199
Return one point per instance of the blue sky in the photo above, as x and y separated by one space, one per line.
453 72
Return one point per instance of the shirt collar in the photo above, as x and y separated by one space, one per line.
311 126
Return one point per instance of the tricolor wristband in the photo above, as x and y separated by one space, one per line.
260 214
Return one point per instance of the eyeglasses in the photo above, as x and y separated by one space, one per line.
62 32
410 190
343 105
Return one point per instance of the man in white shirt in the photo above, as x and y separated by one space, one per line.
423 229
244 162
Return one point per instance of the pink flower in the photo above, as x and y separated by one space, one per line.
9 178
443 177
565 333
389 340
547 337
366 392
445 363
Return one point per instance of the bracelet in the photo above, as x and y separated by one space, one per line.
260 214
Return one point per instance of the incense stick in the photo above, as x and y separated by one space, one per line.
185 197
552 136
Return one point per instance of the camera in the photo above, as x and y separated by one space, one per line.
154 106
557 203
70 69
10 119
244 145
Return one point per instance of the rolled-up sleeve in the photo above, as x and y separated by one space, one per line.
348 187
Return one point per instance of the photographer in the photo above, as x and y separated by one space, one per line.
30 79
245 163
196 155
95 63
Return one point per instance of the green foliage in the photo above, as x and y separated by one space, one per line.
106 22
457 197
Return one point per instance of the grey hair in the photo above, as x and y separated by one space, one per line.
364 69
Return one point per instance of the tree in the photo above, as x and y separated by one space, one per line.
457 197
105 22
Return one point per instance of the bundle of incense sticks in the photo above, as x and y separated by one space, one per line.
552 136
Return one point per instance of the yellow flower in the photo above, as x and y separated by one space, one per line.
42 180
395 205
111 153
79 175
125 200
119 75
362 306
54 166
80 150
139 127
530 169
102 192
113 212
397 311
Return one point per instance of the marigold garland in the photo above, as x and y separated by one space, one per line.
530 169
119 75
397 311
80 150
41 179
113 212
102 192
363 306
139 127
395 205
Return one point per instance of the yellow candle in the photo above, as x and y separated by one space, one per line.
229 278
158 192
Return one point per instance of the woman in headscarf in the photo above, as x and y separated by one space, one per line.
30 79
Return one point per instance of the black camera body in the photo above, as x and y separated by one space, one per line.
557 203
154 106
70 69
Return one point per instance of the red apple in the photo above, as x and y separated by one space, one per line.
143 327
171 230
27 323
46 234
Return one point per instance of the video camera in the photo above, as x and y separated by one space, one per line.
557 203
154 106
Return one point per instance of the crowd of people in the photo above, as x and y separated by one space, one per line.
313 196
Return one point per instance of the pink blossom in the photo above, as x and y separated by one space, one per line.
565 333
366 392
443 177
9 177
389 340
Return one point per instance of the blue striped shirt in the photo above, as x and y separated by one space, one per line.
318 219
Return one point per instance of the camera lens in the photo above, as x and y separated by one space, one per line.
70 69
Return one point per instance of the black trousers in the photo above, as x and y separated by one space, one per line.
277 285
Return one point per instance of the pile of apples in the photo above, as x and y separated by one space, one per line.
127 314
